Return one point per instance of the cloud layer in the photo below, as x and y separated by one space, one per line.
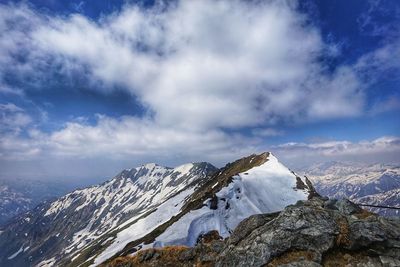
384 149
198 64
202 70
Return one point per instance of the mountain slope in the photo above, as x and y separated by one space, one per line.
313 233
368 184
150 206
251 185
55 231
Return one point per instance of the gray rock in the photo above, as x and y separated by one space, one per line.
331 204
347 207
365 233
389 261
248 225
217 246
187 255
299 227
317 227
207 258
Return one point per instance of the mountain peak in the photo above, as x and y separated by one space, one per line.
150 165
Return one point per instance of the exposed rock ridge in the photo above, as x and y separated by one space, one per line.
316 232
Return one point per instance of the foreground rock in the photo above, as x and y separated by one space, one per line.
316 232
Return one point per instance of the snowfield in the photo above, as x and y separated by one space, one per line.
263 189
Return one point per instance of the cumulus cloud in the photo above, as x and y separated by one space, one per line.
126 137
138 137
207 63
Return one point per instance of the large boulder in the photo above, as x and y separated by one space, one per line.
313 233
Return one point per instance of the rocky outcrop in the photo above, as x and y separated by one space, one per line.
316 232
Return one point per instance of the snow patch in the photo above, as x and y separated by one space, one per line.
75 257
16 253
185 168
47 263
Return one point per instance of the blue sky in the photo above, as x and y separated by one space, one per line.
104 85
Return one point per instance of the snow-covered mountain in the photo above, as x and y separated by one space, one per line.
252 185
376 184
56 230
149 206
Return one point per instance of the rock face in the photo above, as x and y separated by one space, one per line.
315 232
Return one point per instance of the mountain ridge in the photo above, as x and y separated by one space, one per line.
150 206
82 215
93 224
201 202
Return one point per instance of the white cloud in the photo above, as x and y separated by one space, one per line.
202 69
383 61
127 137
207 64
138 137
13 119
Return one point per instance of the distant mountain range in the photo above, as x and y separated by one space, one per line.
17 196
376 184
